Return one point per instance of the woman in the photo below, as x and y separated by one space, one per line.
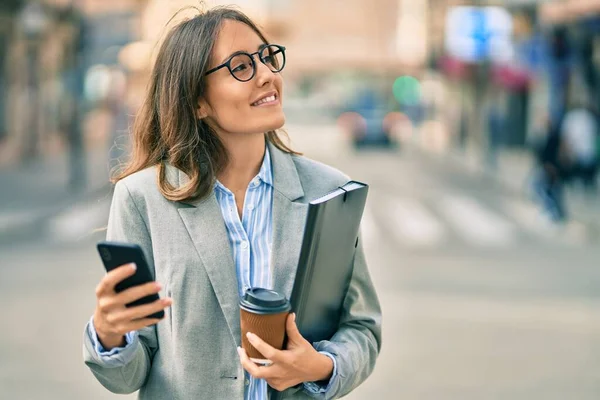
218 204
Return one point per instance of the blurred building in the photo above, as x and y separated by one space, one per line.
357 34
71 60
326 36
550 62
333 46
8 10
48 47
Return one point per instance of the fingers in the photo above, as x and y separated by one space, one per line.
108 283
264 348
129 326
141 311
115 301
112 317
142 323
292 329
137 292
252 368
119 322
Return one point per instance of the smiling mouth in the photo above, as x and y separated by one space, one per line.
266 101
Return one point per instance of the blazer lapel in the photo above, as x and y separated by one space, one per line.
289 218
204 222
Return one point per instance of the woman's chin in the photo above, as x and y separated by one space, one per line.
265 124
280 122
275 123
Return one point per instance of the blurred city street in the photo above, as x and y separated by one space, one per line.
479 301
475 123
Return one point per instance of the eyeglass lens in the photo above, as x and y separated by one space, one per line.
242 67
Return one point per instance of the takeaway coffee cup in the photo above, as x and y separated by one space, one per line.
263 312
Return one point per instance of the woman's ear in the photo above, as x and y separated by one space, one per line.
202 110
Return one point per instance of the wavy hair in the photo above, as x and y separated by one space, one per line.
167 129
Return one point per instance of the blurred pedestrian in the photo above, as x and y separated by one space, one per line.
580 132
559 68
218 204
549 175
495 128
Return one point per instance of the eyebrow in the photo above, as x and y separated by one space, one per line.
239 52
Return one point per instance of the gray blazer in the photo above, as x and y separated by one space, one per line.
191 354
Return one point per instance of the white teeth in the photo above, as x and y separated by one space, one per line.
265 100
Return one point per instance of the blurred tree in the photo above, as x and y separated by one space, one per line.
33 23
8 9
74 76
11 6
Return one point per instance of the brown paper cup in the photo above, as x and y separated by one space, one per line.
269 327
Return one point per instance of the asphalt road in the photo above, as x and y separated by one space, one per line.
482 299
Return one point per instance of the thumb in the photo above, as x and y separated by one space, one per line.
292 329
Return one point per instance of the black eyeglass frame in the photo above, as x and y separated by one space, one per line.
260 50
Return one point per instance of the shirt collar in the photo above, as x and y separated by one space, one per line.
266 170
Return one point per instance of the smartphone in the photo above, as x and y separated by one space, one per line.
115 254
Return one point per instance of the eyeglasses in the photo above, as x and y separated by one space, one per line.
242 67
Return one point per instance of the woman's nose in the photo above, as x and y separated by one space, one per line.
263 73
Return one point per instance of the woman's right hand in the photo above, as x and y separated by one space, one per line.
112 320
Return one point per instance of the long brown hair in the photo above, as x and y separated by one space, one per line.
167 129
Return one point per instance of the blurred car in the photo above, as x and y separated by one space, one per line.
369 123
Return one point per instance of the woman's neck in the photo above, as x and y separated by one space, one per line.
246 153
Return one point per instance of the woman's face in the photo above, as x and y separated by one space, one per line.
230 105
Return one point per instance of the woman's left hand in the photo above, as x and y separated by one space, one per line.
300 362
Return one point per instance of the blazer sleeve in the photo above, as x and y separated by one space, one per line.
357 343
125 224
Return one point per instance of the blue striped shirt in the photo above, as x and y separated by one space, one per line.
250 239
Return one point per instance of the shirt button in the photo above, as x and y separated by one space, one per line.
255 182
250 207
246 382
244 245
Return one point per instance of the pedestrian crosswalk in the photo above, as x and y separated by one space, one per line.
448 219
475 222
79 222
530 218
413 223
453 219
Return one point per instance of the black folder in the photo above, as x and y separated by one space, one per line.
326 260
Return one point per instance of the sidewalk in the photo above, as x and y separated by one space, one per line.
513 170
34 193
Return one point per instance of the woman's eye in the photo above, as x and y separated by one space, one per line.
240 68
